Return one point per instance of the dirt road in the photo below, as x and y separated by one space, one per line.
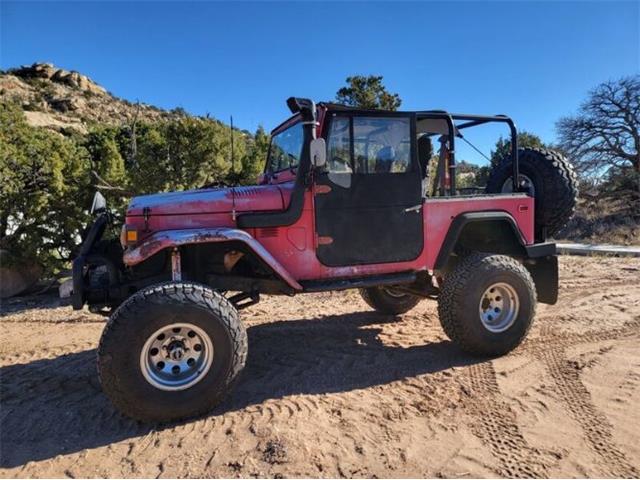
334 389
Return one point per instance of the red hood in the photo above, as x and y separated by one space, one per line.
213 200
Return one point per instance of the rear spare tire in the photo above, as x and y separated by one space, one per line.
549 178
171 351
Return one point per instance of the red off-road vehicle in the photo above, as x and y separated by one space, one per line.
349 199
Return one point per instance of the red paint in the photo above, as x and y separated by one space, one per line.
293 248
320 189
439 213
210 200
203 208
283 176
197 216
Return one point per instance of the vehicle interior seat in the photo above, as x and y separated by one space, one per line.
425 152
384 159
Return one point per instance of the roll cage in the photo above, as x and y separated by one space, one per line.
455 123
468 121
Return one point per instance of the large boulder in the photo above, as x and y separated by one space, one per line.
72 79
77 80
37 70
16 277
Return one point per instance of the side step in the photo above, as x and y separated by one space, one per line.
358 282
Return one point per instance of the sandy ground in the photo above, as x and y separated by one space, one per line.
333 389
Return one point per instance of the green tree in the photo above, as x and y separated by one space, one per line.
48 179
45 185
104 148
256 156
368 92
503 146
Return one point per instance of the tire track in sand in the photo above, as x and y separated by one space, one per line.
577 400
496 425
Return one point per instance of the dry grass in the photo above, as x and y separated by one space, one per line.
604 219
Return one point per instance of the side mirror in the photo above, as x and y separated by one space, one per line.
318 152
262 179
99 204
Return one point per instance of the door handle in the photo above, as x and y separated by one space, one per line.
415 208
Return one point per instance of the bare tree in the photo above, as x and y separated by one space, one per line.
605 133
133 147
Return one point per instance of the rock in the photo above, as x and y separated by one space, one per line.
49 121
76 80
58 99
37 70
58 75
65 104
16 278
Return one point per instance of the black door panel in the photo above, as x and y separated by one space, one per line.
367 222
370 236
362 217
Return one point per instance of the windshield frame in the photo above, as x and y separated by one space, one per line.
293 122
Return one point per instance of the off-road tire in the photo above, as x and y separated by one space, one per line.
555 183
380 300
143 313
461 294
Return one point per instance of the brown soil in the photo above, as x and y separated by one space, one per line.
333 389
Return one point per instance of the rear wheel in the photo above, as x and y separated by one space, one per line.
487 304
171 351
548 177
389 300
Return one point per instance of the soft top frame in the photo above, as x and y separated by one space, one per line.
465 120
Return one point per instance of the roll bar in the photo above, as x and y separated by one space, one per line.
472 121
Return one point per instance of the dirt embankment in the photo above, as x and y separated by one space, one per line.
334 389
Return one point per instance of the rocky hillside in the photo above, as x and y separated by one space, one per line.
59 100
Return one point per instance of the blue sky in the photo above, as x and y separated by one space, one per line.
532 60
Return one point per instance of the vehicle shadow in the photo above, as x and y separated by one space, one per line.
40 301
55 406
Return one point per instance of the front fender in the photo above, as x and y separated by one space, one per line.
175 238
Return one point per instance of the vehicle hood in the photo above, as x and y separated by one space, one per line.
212 200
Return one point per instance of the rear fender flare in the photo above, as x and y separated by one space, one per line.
463 220
175 238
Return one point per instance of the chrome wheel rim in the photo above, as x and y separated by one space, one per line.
499 307
176 357
525 183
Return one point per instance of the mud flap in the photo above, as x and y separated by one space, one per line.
544 271
77 295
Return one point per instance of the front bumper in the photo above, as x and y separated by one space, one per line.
77 293
94 234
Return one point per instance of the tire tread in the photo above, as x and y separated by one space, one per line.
559 181
455 288
178 292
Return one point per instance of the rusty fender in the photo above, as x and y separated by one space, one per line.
175 238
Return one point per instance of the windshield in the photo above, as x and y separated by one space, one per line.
285 149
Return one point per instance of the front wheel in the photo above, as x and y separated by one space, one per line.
171 351
487 304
